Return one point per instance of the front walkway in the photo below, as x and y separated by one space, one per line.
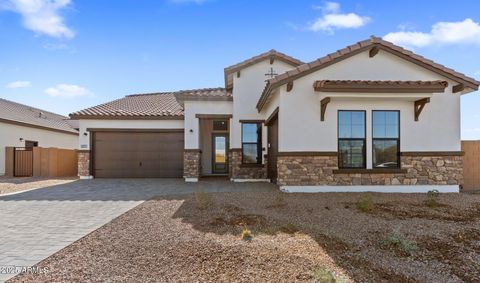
38 223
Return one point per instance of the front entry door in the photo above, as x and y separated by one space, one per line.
219 153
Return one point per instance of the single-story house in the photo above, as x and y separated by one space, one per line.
26 126
371 116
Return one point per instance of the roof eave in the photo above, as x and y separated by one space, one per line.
468 81
19 123
181 98
259 58
117 117
355 49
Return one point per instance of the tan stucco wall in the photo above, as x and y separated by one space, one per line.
247 89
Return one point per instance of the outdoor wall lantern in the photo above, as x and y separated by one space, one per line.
20 139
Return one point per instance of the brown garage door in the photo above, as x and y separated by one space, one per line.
138 154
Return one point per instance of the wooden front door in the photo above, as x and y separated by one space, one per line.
219 153
273 149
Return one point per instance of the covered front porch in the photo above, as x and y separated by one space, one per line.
214 137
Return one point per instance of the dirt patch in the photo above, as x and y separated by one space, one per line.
404 211
468 237
242 220
171 239
461 255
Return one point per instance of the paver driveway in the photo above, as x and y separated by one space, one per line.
38 223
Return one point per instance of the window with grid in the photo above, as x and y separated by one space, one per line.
351 139
252 143
386 139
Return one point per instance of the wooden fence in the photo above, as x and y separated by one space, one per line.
46 162
471 165
22 162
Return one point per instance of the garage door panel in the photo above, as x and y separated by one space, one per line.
138 155
138 174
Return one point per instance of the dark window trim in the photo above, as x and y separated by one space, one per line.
252 121
352 139
388 139
220 120
226 136
258 143
35 143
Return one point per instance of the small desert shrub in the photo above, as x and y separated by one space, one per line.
246 234
401 243
365 204
325 275
202 199
432 198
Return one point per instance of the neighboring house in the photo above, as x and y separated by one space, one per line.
25 126
370 114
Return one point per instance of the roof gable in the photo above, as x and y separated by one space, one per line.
374 44
269 55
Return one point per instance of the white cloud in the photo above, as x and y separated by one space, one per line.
41 16
464 32
333 19
18 84
329 7
68 91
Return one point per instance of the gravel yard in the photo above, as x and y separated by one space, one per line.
295 237
17 184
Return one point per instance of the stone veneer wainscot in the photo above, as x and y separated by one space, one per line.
416 169
191 163
244 171
83 163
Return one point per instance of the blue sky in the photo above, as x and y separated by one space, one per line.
65 55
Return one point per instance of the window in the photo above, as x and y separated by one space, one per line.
30 144
220 125
351 139
252 143
386 139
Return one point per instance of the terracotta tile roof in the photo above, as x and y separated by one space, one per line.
161 105
379 86
215 94
266 55
354 49
16 113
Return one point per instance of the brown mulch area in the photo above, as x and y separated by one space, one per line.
17 184
197 238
